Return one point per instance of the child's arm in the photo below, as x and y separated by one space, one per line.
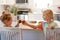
32 26
17 25
39 26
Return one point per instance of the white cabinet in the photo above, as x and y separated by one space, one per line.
33 35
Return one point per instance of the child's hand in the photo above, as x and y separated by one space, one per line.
17 25
24 22
52 27
40 27
19 21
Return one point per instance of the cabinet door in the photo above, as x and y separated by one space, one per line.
32 35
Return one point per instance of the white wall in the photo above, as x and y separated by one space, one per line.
1 10
7 2
56 2
35 17
55 5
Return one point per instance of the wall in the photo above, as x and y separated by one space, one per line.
55 5
1 10
56 2
7 2
12 2
36 17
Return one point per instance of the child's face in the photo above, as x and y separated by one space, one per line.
46 16
8 22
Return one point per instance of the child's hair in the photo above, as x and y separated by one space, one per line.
3 12
49 12
6 17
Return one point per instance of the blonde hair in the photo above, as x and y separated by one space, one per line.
49 12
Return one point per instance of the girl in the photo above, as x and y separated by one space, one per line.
48 17
7 20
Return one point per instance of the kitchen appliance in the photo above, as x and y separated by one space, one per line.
21 1
21 15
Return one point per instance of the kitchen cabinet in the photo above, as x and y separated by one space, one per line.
21 34
10 33
29 34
